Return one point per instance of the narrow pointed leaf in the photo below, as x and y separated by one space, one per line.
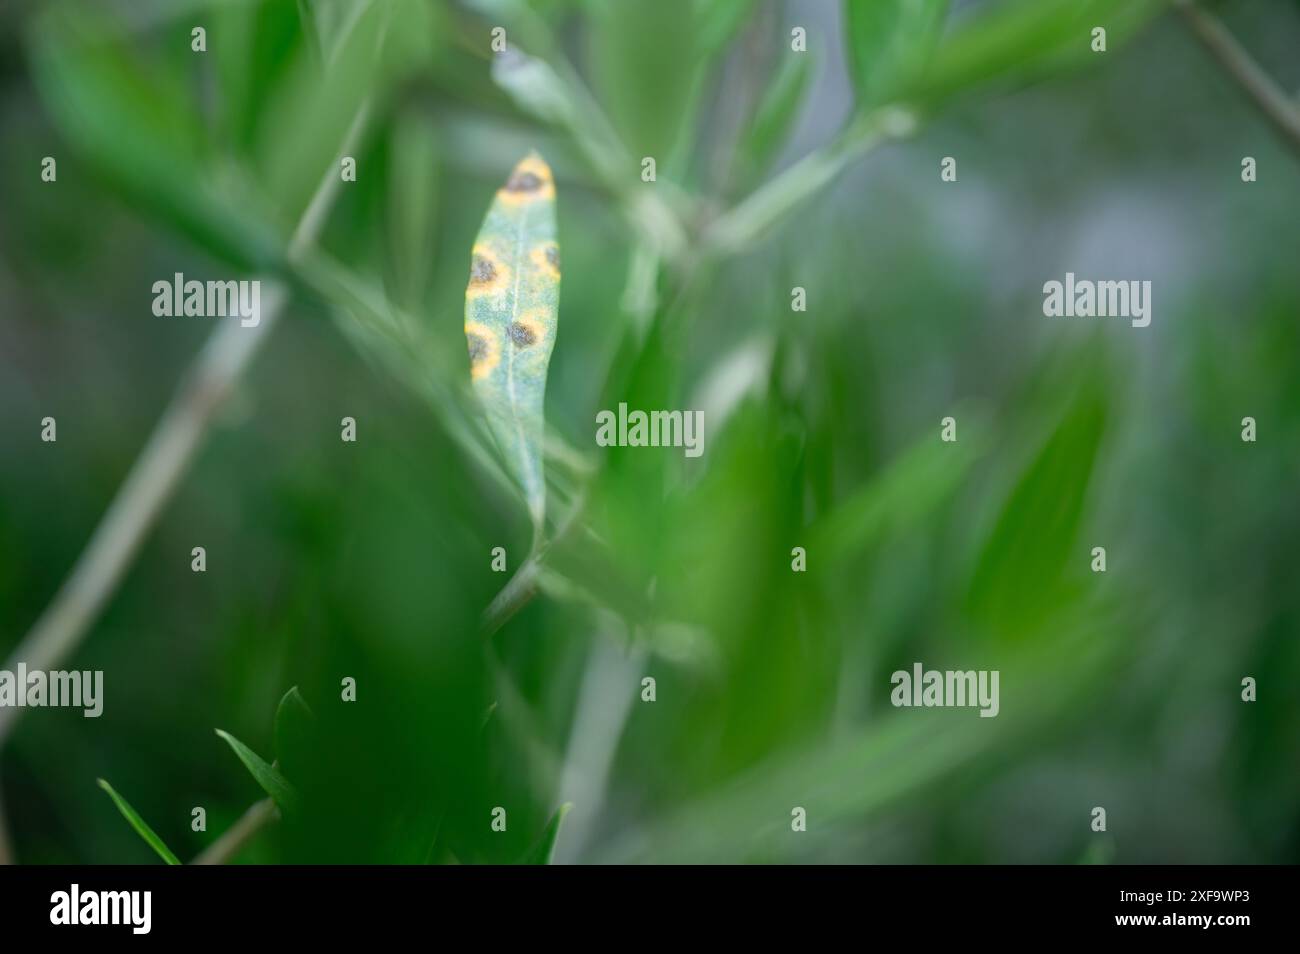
775 116
511 307
140 825
294 725
889 42
1018 41
544 849
718 21
267 776
1016 584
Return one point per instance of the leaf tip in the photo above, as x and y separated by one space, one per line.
530 180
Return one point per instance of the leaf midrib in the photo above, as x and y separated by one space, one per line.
510 352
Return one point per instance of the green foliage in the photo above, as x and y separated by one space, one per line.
775 116
1018 578
544 849
631 41
140 825
718 21
295 730
413 181
913 487
1023 40
890 42
821 430
137 129
266 775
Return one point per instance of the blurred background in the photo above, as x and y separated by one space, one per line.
372 560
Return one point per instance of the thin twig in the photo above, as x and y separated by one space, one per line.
742 225
600 717
259 815
154 475
147 488
1271 99
522 587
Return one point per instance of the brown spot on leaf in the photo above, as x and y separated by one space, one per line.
523 182
477 348
482 271
553 256
522 335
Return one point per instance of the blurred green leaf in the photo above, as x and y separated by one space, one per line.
511 319
909 489
412 207
889 43
270 780
893 760
310 16
718 20
252 45
770 128
310 113
647 62
140 825
542 852
1017 578
1022 40
139 130
294 727
328 23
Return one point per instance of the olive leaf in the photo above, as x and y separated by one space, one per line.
889 41
140 825
775 117
511 306
267 776
294 729
543 850
1018 41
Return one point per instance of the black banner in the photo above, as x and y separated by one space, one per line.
332 903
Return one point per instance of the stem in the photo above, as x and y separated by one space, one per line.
605 701
259 815
148 486
522 587
1271 99
153 477
744 224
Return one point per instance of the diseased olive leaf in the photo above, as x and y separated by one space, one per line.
511 306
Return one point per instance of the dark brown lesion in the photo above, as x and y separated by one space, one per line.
553 256
477 348
523 182
522 335
482 271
